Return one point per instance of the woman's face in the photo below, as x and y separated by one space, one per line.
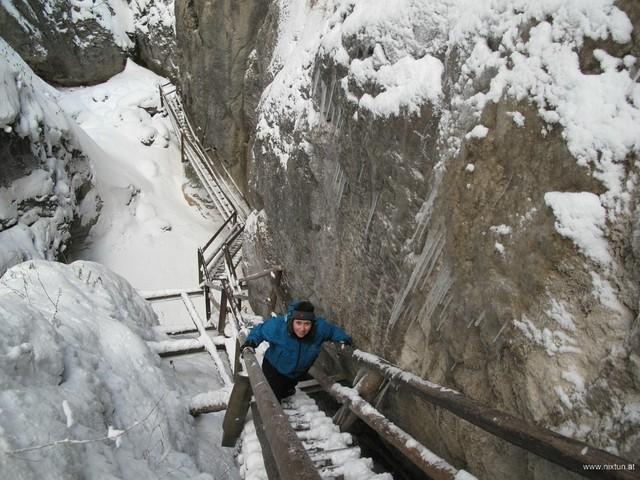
301 327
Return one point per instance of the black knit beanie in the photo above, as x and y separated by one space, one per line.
304 311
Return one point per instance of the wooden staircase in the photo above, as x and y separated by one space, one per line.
333 453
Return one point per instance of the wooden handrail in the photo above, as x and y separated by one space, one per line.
428 462
206 340
564 451
263 273
231 236
215 235
291 459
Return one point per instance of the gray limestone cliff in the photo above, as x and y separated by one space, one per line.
456 188
216 39
155 37
84 43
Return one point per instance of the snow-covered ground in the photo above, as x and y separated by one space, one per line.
81 392
147 231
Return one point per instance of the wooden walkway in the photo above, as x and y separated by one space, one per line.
335 454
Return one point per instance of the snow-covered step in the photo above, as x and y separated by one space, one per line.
173 347
209 402
181 329
332 451
167 348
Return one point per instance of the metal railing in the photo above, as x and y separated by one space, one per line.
227 200
230 203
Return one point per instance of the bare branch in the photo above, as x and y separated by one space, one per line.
71 441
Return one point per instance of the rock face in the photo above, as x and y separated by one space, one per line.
456 187
46 194
88 42
66 46
216 39
155 37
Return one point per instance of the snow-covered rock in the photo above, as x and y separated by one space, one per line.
84 42
46 193
81 394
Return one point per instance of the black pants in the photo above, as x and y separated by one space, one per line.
281 385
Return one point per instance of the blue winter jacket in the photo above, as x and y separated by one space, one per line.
290 355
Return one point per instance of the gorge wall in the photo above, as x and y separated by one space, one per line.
456 184
216 39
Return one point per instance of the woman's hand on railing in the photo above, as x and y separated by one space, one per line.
247 347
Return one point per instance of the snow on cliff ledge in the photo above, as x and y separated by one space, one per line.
81 394
389 60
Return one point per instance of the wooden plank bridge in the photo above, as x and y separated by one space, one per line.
295 439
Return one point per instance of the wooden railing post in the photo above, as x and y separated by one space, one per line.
201 266
274 291
237 409
236 360
368 385
229 259
223 311
207 304
229 262
182 146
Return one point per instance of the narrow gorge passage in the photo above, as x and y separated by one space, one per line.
453 183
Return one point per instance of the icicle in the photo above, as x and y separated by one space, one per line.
338 184
330 104
336 174
477 321
431 251
361 172
374 203
337 123
436 295
500 331
316 77
343 185
323 94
